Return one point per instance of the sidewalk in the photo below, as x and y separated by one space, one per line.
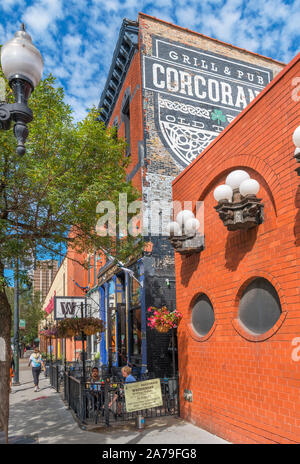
42 417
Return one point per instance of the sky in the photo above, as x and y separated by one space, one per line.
77 37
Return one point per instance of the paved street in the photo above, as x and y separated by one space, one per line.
42 417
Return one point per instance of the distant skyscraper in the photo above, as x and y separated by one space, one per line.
43 276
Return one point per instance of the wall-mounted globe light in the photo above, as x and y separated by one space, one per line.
22 65
296 137
238 206
174 228
249 187
223 193
296 140
184 235
184 216
191 226
235 178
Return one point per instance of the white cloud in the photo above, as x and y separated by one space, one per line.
77 37
43 14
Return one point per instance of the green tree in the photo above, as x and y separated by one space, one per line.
30 307
67 170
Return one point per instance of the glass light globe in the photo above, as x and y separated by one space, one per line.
191 226
19 57
297 152
249 187
296 137
235 178
223 192
174 228
184 216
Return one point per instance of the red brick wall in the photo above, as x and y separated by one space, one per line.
245 389
132 80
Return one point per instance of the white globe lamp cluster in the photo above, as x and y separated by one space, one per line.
185 224
236 180
296 140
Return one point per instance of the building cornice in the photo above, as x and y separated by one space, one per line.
125 48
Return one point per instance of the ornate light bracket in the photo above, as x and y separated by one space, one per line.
187 244
244 212
18 112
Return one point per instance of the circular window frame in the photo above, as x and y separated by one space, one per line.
195 336
238 325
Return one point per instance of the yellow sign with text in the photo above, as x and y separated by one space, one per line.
142 395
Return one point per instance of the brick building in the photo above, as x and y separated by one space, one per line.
239 344
169 92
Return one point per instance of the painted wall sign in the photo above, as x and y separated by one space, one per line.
197 94
142 395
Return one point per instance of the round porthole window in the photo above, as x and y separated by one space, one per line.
259 307
203 316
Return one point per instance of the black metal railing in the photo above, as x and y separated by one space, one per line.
54 376
104 402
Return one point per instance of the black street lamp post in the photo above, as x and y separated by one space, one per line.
16 324
22 65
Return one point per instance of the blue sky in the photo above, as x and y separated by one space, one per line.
77 37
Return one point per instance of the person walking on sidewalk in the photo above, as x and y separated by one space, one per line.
37 363
12 369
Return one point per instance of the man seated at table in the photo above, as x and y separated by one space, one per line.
95 392
95 378
95 375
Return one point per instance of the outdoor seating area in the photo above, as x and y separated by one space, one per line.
103 402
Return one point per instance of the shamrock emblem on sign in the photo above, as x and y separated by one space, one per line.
218 115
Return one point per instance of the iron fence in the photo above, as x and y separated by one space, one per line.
54 376
103 402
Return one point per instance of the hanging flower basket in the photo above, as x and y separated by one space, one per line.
162 319
69 333
162 328
50 333
74 326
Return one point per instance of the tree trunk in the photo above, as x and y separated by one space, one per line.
5 350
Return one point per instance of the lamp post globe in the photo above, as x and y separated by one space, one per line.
249 187
223 192
22 65
184 216
174 228
235 178
21 59
296 137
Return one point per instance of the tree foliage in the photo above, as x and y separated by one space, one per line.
30 310
54 189
67 170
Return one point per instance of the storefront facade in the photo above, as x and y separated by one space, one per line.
169 92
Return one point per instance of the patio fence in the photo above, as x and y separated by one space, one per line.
103 403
